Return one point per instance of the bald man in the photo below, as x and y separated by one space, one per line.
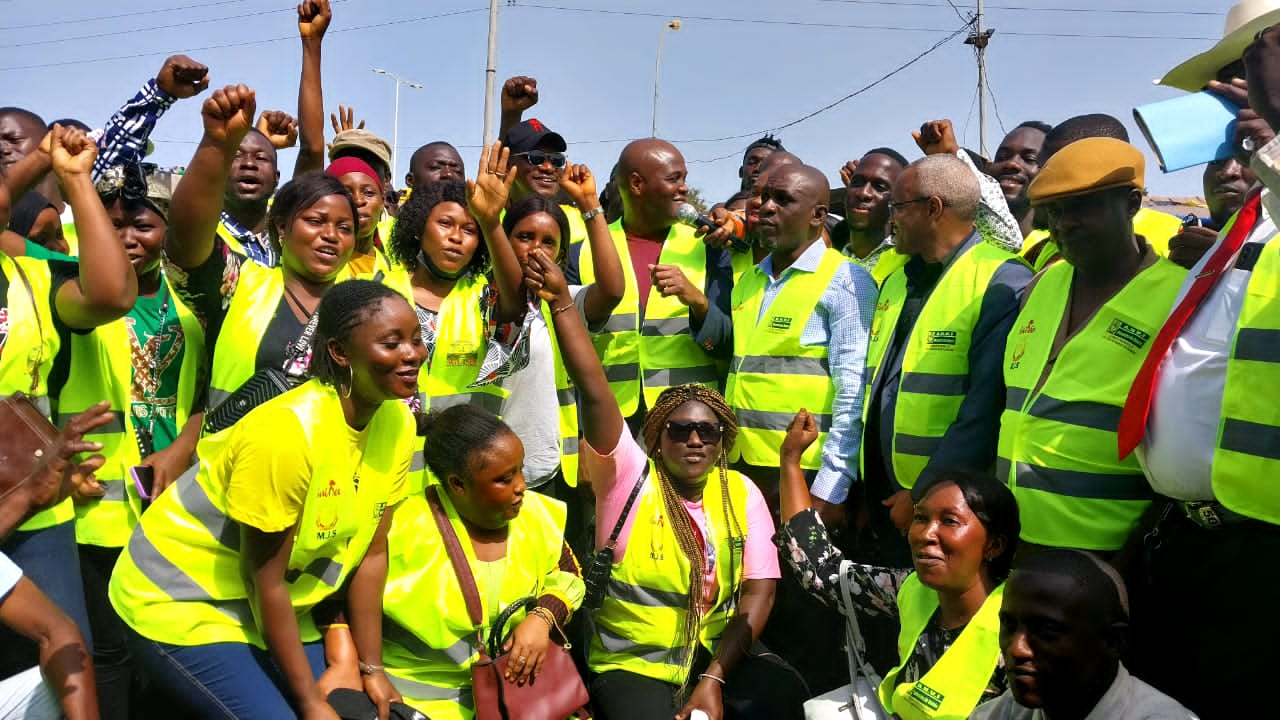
672 281
937 345
1063 622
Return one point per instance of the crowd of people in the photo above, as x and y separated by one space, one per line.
995 439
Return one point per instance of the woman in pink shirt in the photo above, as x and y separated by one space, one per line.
694 568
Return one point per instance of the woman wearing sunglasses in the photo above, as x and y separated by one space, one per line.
963 533
694 569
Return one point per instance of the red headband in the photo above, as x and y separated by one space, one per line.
349 164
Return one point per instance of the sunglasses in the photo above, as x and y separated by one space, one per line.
709 433
537 157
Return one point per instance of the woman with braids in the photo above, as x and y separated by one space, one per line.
438 240
286 507
963 533
694 569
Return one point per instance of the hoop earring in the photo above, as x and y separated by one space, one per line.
344 389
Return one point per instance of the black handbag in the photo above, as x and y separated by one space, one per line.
355 705
262 385
596 574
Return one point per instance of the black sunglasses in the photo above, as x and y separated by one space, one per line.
537 157
709 433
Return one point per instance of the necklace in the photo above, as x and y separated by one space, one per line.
298 303
151 388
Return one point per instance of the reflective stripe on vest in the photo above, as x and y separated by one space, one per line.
935 359
567 402
180 579
1247 458
639 626
427 633
662 344
954 685
30 348
102 369
1058 441
773 372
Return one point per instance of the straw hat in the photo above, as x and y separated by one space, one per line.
1244 20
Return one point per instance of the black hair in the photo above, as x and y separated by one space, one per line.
992 502
452 436
1086 126
344 307
24 114
767 141
889 153
26 211
406 237
1043 127
1096 582
70 123
532 205
301 193
436 144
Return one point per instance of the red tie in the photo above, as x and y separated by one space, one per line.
1133 421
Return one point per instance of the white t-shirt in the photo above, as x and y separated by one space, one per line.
10 574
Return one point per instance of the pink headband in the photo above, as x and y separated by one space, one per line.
349 164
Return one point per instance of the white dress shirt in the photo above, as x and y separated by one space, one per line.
1186 409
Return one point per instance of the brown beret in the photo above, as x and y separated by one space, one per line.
1088 166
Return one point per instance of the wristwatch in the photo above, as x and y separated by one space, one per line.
592 213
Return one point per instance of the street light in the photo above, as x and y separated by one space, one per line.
657 69
395 123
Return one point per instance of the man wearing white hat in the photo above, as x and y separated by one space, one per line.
1204 415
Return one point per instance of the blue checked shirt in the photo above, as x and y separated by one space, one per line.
124 139
842 321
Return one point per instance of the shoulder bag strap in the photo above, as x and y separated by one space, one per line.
457 557
301 347
35 308
626 509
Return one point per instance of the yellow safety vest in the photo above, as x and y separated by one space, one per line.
888 264
428 643
102 369
30 350
773 373
567 400
1156 227
1247 458
639 627
72 239
180 579
577 226
1058 442
954 685
659 352
230 240
935 361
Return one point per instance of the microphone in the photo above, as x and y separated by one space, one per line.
689 215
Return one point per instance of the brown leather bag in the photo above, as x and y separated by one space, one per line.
26 435
558 692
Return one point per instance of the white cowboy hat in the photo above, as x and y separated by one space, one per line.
1244 20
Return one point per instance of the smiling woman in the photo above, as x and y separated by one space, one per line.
963 533
287 506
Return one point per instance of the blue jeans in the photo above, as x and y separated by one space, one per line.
50 559
221 681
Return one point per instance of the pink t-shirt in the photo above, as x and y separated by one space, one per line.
613 476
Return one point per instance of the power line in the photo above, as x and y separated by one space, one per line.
220 46
140 30
849 26
68 21
1027 8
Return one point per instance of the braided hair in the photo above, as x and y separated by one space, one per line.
344 307
686 537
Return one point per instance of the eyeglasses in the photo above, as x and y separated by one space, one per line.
709 433
537 157
893 206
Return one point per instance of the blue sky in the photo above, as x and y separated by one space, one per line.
737 67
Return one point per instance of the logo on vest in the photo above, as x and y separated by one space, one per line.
940 340
461 359
1127 336
924 695
332 491
1027 329
1015 361
327 530
378 510
780 322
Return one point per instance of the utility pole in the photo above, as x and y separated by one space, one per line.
979 39
395 126
657 69
491 72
